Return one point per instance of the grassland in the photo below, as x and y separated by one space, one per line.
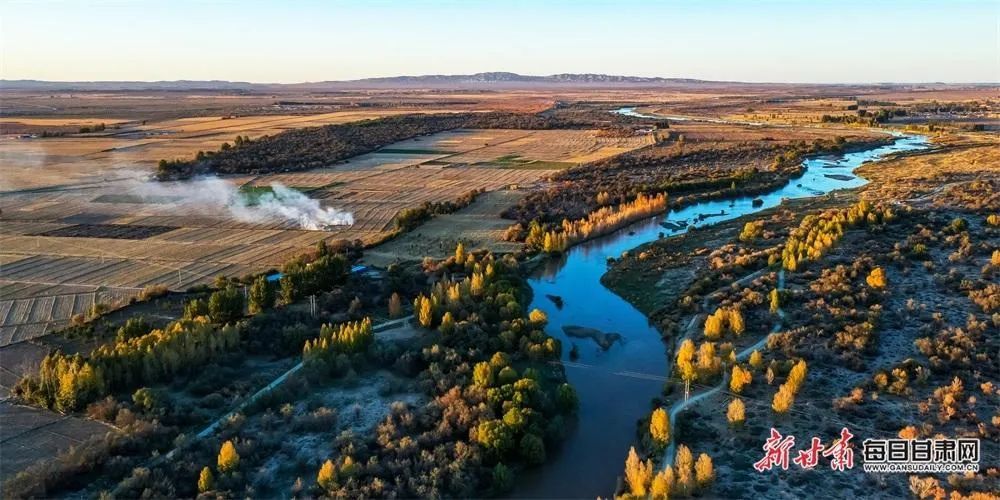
875 353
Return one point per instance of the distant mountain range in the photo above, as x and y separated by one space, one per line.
490 80
477 80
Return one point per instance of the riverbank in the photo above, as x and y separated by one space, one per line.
584 466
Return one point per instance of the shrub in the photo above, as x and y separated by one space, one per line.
876 279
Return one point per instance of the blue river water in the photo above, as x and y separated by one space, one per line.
616 386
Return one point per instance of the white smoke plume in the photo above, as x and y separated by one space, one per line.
209 195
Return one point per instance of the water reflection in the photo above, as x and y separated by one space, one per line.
617 384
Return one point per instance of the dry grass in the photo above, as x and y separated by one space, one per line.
960 159
478 226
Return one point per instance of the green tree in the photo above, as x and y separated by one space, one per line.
507 375
145 399
533 449
567 398
261 295
447 326
503 478
195 308
225 305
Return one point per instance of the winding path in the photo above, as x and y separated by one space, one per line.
678 407
212 427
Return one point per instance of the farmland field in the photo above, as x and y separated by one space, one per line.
102 239
30 434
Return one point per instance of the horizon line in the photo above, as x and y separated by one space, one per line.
679 79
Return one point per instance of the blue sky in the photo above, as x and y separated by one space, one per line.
769 40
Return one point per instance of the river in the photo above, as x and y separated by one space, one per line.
616 386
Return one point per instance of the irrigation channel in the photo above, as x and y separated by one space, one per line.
616 385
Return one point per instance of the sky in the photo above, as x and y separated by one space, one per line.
297 41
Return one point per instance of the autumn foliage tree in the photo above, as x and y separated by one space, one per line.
229 459
876 279
638 474
327 476
704 471
684 479
739 378
346 338
659 427
736 412
663 482
206 481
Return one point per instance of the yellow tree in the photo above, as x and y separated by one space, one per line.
783 399
659 427
327 476
460 253
714 324
477 285
663 481
756 359
548 246
739 379
684 474
229 460
685 362
797 376
876 279
538 317
206 482
736 321
775 300
736 412
425 313
638 474
708 362
703 470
